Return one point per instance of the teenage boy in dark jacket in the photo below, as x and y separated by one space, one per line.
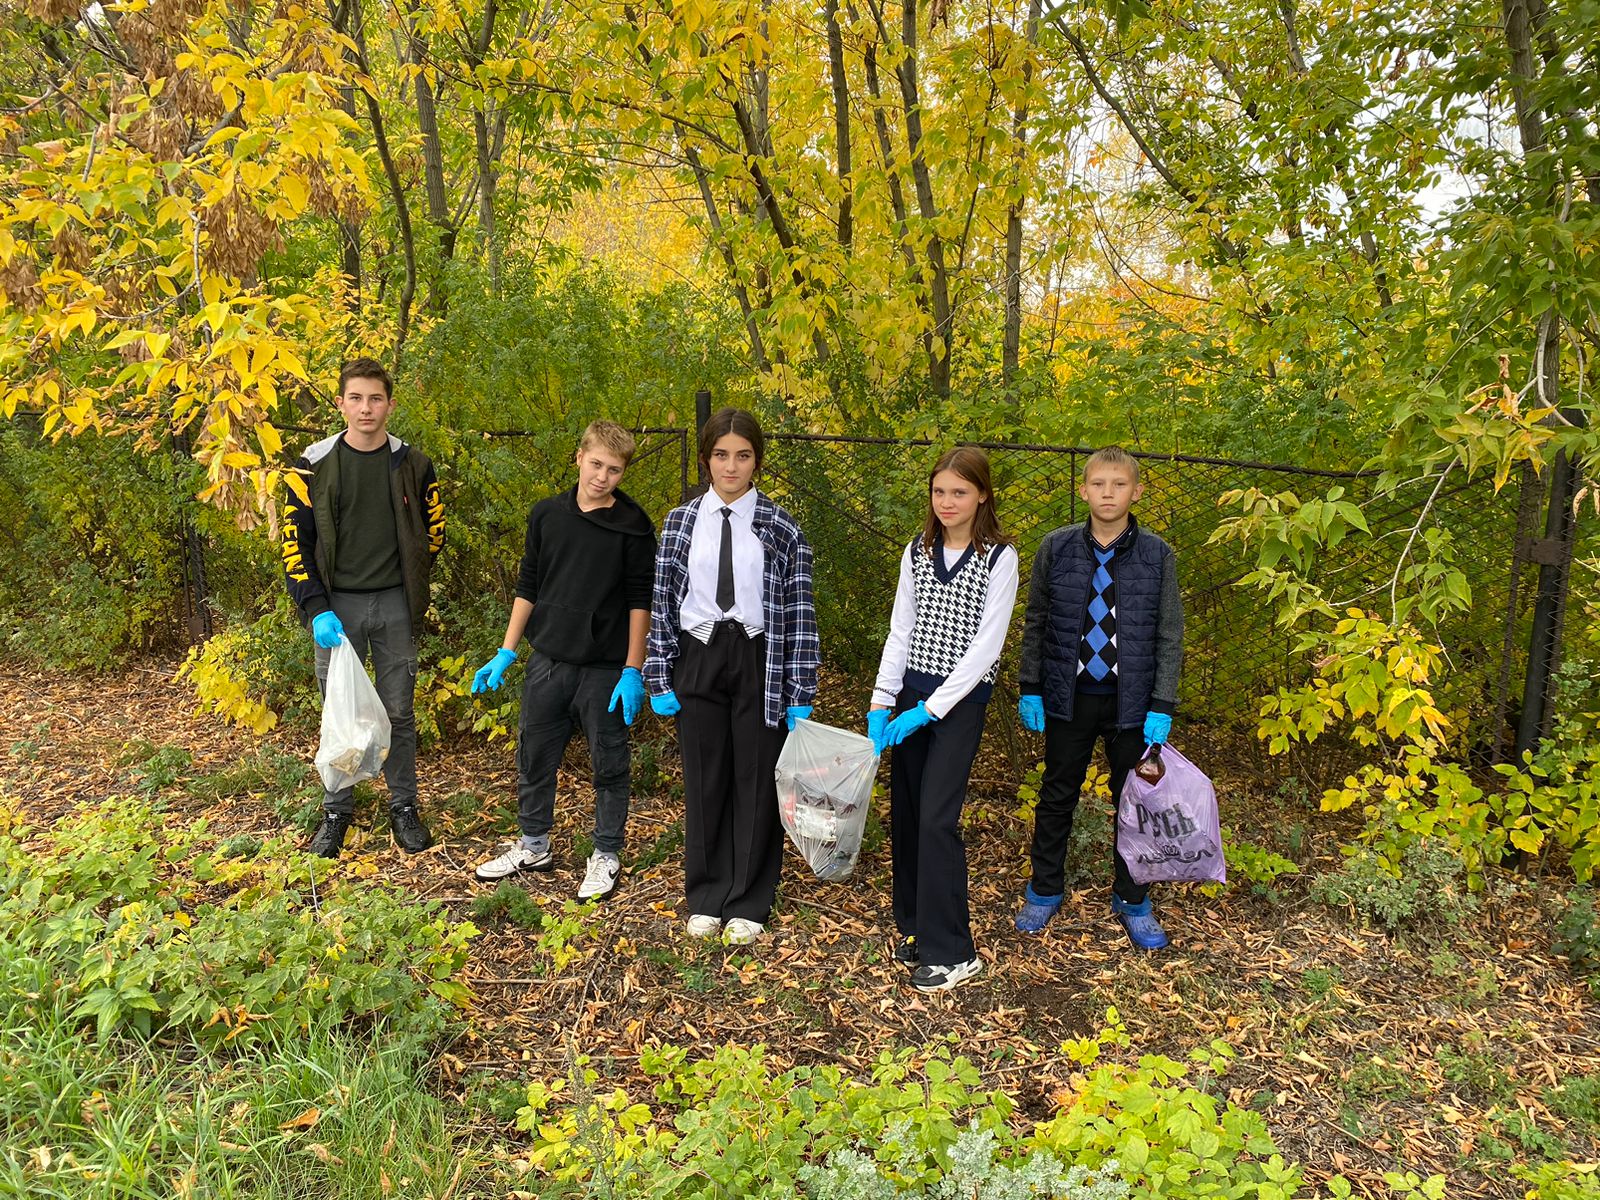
1102 643
583 597
358 559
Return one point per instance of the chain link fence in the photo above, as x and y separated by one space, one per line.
860 499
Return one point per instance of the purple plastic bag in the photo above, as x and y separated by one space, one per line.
1168 829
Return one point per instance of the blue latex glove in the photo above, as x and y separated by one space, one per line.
1031 710
797 712
493 672
629 693
908 723
877 723
1156 728
326 629
665 705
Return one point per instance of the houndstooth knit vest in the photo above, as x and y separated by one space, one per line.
949 614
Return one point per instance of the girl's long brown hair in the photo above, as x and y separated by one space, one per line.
972 465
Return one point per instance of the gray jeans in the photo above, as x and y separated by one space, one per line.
379 623
557 699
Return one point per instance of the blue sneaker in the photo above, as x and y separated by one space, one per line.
1037 911
1143 930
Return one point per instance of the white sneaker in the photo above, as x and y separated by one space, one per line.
938 979
741 932
517 857
704 926
601 875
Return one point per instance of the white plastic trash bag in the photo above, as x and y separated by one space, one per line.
824 791
355 729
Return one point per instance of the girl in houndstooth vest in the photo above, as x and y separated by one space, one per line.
958 585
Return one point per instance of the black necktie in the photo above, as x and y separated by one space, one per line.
725 563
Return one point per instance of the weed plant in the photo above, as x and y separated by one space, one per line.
1429 887
313 1113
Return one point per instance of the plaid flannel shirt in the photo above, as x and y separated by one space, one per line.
793 649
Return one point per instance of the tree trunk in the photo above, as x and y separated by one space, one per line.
939 282
758 351
432 167
397 191
1011 347
841 117
488 175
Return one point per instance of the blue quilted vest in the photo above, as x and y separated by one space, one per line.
1137 571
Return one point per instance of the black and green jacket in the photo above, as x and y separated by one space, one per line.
311 532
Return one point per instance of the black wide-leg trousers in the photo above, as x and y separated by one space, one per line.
927 789
733 840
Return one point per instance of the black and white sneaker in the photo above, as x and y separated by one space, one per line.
409 831
517 858
600 876
905 952
328 840
938 979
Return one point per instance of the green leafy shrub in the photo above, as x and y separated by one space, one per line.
92 572
731 1126
1560 1181
148 936
257 671
861 1173
920 1124
1429 885
156 768
1578 932
1167 1138
1255 864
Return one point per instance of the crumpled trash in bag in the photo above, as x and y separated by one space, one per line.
1168 827
355 728
824 791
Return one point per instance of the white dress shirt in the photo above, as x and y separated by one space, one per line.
700 614
998 602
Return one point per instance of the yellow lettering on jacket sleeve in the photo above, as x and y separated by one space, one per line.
435 507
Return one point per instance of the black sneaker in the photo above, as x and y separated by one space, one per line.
409 831
905 953
328 840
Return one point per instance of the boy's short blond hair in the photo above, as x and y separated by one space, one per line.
610 437
1111 456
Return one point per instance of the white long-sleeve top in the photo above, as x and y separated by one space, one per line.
982 654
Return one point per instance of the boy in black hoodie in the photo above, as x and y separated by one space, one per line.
583 596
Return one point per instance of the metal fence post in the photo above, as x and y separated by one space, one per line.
1553 553
1072 492
702 414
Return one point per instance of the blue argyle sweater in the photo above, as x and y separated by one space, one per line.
1097 645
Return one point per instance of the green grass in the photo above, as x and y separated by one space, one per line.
327 1114
508 903
268 772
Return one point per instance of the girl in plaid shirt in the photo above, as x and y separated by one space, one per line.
733 655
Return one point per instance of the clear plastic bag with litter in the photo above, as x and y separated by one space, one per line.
355 729
824 792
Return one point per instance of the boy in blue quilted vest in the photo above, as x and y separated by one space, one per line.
1102 644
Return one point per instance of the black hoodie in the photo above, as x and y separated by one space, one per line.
583 572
